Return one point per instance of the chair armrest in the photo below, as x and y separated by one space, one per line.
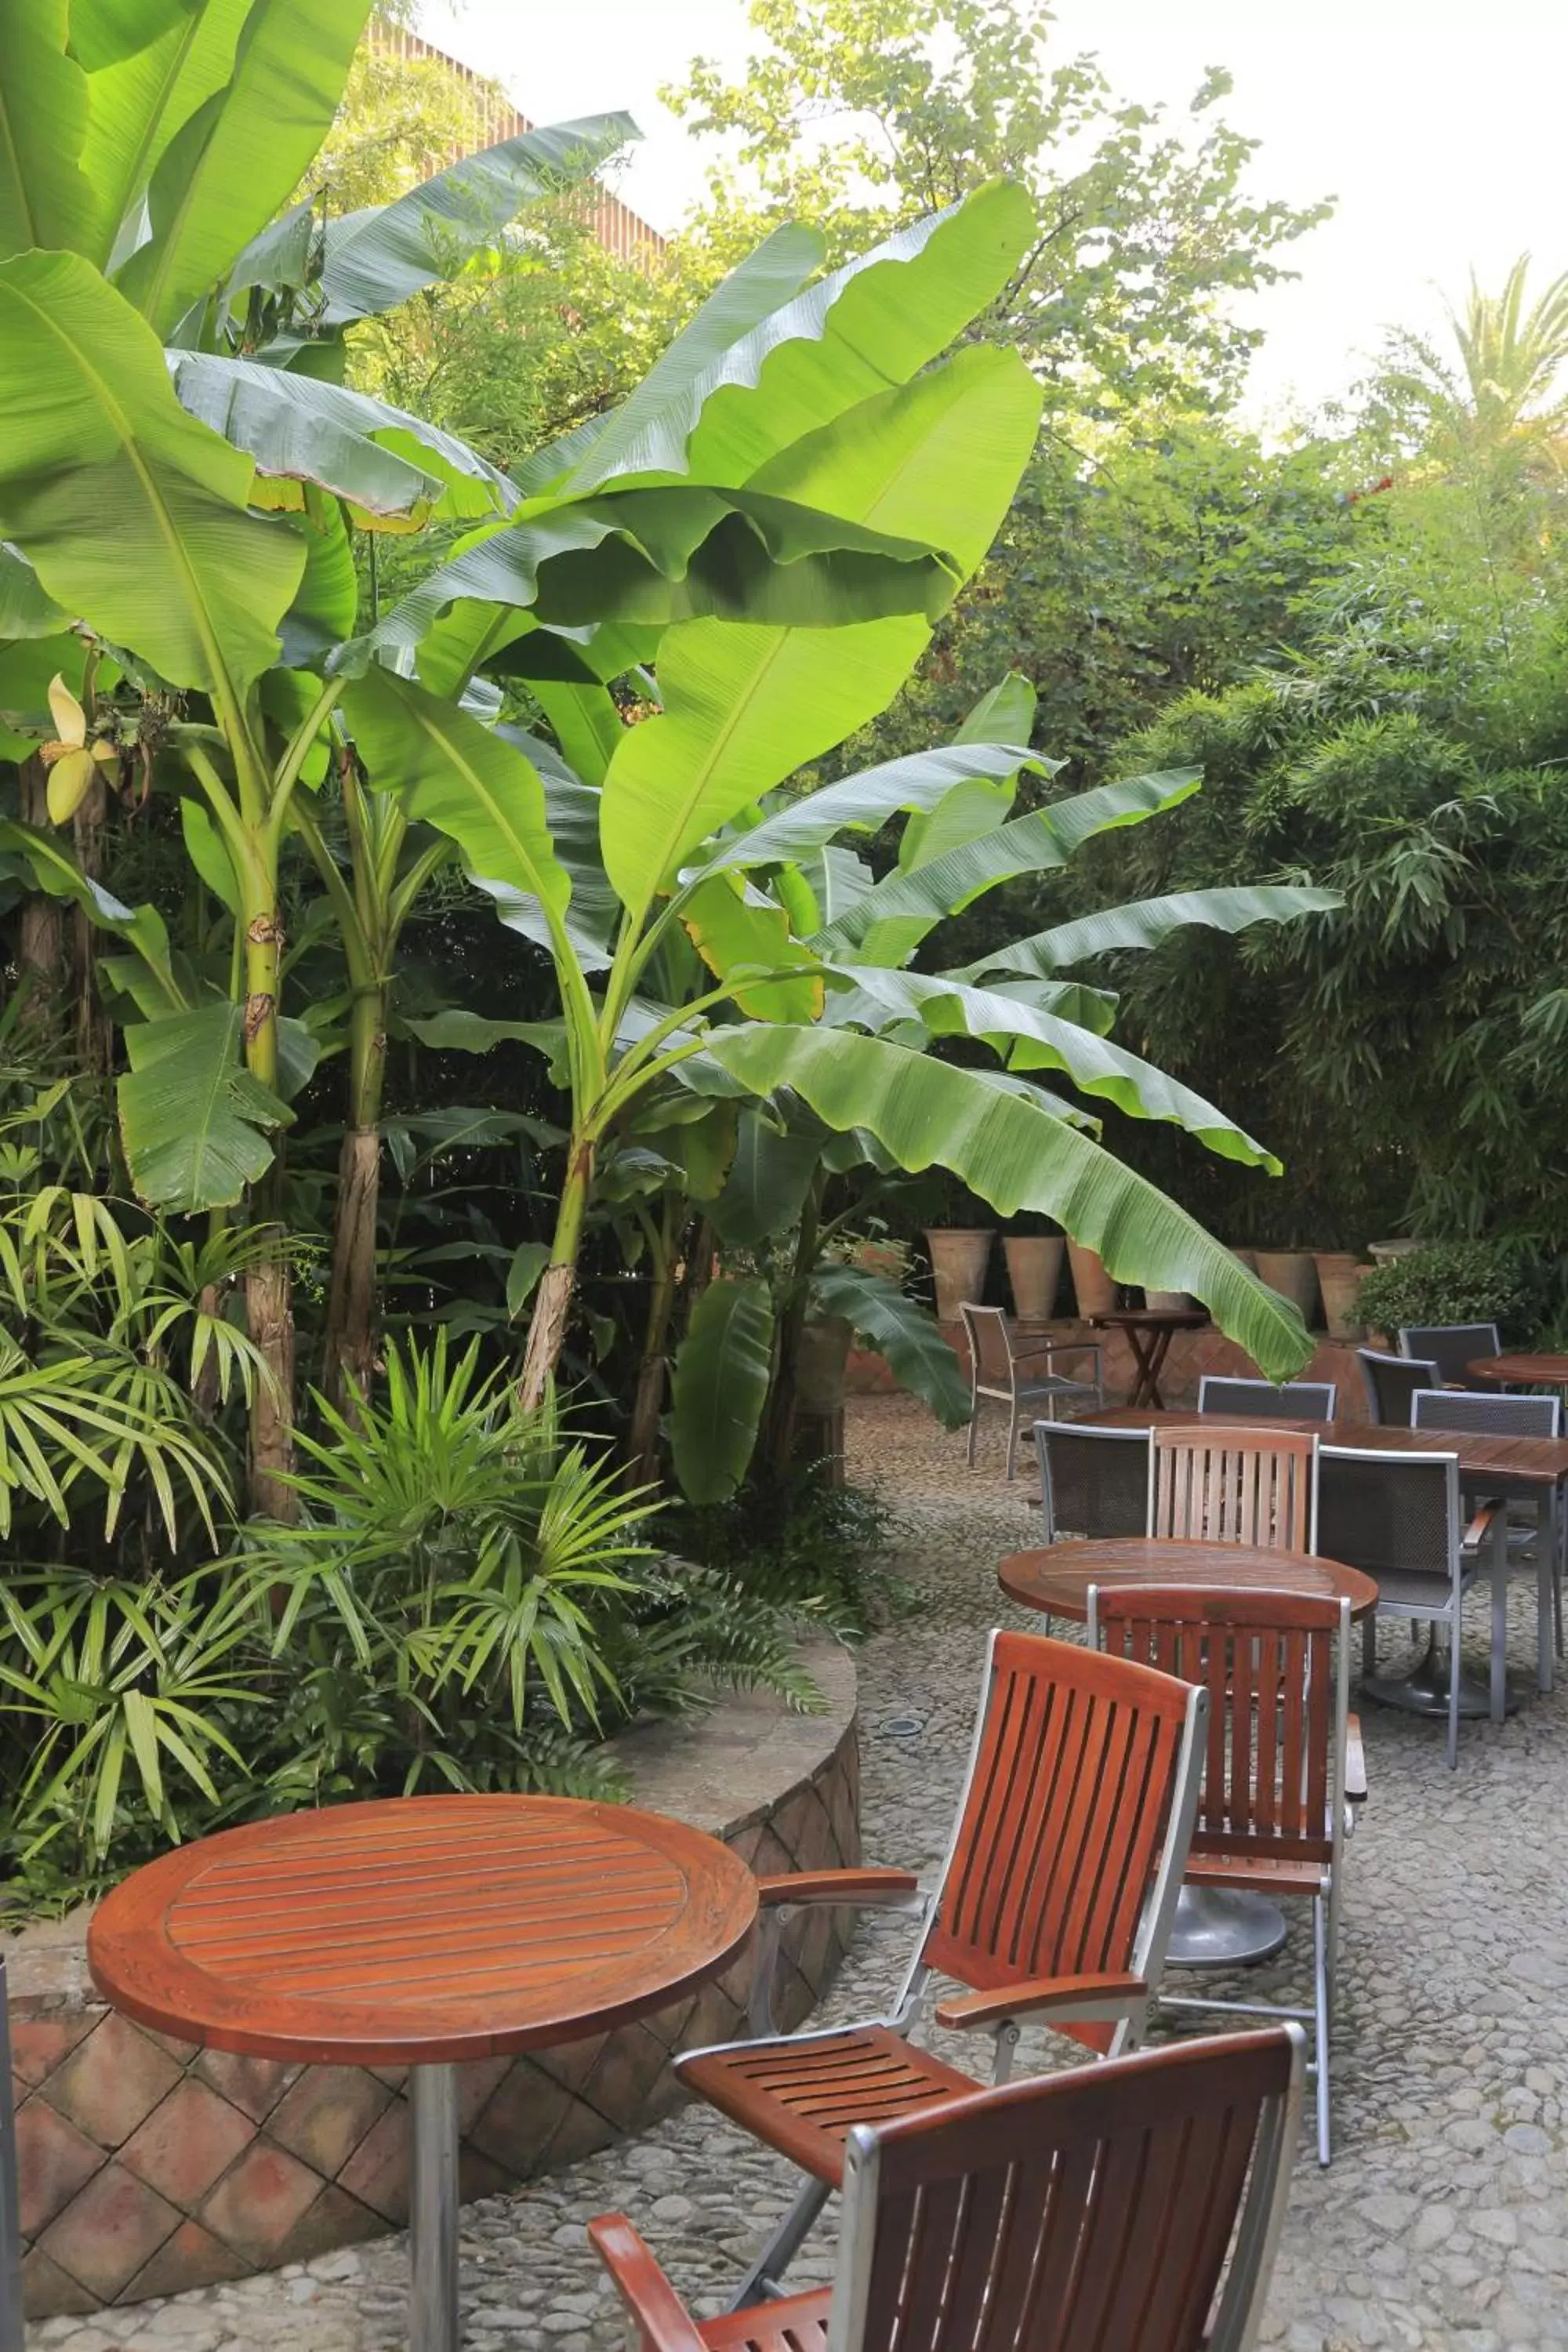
1077 1997
662 2319
1481 1526
1355 1763
870 1889
1059 1348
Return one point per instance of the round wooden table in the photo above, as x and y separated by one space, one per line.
1522 1366
421 1931
1215 1926
1150 1331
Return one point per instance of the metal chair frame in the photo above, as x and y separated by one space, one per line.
1241 1471
1112 2016
1431 1343
1051 2214
1534 1540
1464 1572
1086 1433
1373 1362
1291 1400
1156 1618
1022 1396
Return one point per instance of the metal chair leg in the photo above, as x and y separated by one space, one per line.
1013 1444
1321 2006
762 2278
1454 1631
974 1426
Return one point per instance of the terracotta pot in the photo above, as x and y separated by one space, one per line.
1095 1290
1339 1276
819 1367
1293 1274
1247 1257
1167 1302
959 1257
879 1257
1034 1270
1385 1252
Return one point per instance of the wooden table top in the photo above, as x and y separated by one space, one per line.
1151 1318
1545 1372
1057 1578
421 1929
1517 1461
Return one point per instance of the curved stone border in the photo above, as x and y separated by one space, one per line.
148 2165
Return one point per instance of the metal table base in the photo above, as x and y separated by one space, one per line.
433 2322
1425 1691
1223 1927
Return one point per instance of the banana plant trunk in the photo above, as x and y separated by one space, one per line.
94 1033
648 1400
40 944
349 1342
552 1299
780 1440
269 1284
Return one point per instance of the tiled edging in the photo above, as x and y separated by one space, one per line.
148 2165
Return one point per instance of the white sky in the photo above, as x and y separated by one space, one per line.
1438 123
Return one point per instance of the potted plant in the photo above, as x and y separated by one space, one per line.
1456 1282
1094 1288
1034 1255
1289 1270
960 1244
1339 1276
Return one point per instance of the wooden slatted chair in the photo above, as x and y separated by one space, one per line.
1055 1904
1057 2215
1282 1760
1231 1485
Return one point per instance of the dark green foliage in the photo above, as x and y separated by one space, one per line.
802 1545
1458 1282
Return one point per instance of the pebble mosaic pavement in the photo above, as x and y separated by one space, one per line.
1443 2221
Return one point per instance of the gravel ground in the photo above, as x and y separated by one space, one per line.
1443 2221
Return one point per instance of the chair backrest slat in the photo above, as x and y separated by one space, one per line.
1452 1346
1487 1412
1228 1485
1391 1381
1093 1482
1261 1400
1070 2211
1277 1706
1070 1801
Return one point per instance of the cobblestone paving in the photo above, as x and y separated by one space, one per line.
1444 2218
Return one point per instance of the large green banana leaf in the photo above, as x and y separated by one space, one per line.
132 513
382 460
900 1329
1030 1038
930 1114
46 197
1145 922
864 803
649 557
25 610
379 259
138 55
237 158
734 933
978 804
1035 844
877 321
934 463
768 1181
197 1126
472 785
54 870
620 438
720 1387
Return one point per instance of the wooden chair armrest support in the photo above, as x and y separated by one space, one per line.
651 2302
1077 1997
870 1889
1355 1763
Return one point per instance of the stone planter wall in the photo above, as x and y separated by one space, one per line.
148 2167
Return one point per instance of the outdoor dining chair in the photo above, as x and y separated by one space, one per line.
999 1371
1283 1759
1534 1543
1452 1346
1044 2216
1055 1904
1391 1382
1291 1400
1396 1516
1234 1486
1093 1482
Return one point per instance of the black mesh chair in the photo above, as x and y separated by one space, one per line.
1261 1400
1451 1347
1391 1382
1093 1482
1534 1537
1396 1516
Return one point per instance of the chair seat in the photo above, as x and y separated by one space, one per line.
799 2324
802 2096
1280 1876
1412 1594
1052 1384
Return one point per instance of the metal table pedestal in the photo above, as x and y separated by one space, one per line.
1223 1927
433 2322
